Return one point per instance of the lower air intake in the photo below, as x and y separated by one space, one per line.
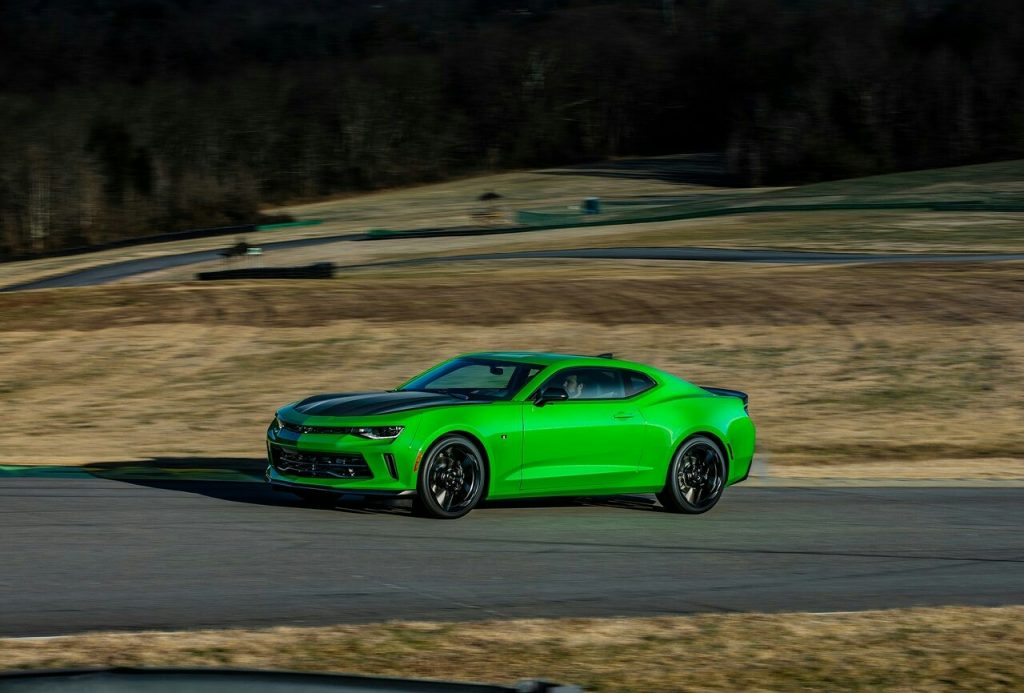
316 465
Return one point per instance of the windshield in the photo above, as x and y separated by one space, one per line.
477 378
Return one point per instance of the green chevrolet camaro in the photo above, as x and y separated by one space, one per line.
517 425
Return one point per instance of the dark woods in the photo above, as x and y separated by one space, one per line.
129 117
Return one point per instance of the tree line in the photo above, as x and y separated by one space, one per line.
122 118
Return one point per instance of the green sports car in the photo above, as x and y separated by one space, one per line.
517 425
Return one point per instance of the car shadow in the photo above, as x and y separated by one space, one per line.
637 502
240 480
236 479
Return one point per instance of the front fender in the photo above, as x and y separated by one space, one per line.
497 427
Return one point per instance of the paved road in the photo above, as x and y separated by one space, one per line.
756 255
128 268
114 271
88 553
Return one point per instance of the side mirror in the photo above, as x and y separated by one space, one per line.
552 394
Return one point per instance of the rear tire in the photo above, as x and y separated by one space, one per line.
452 479
696 477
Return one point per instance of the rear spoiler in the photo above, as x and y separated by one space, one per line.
722 392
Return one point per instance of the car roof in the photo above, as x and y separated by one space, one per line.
549 359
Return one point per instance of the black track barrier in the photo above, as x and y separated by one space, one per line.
319 270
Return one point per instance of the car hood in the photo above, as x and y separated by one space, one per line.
374 403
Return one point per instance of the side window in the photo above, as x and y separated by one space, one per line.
637 383
589 383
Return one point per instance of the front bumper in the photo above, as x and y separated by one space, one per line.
384 466
279 482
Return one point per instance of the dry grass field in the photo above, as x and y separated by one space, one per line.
896 371
937 649
908 371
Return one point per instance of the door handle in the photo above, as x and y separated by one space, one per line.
624 415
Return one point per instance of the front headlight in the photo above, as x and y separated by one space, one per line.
377 432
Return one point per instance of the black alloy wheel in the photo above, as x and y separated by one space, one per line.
452 479
696 477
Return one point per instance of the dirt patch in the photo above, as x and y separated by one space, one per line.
909 650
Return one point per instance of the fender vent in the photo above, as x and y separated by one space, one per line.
389 460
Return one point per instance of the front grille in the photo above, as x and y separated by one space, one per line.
296 428
317 465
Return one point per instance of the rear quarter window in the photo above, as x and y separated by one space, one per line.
636 383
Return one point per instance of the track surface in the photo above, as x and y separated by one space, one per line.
752 255
112 272
84 554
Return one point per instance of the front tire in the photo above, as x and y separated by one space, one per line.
452 479
696 477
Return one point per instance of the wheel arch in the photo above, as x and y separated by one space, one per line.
681 418
475 439
718 440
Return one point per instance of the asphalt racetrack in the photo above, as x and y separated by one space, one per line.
116 271
750 255
92 553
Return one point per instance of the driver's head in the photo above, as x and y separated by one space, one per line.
572 385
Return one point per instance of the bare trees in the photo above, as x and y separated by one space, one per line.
145 116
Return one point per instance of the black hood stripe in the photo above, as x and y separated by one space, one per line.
374 403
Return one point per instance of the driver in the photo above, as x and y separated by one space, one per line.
573 386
